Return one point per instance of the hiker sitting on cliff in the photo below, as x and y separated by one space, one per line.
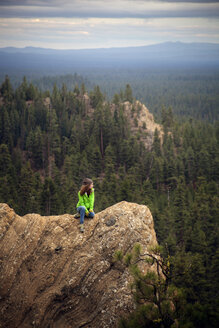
85 203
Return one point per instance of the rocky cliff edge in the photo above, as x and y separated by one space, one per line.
53 276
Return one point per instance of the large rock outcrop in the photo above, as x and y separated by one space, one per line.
140 119
141 122
51 275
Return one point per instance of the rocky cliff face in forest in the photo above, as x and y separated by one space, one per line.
140 119
52 275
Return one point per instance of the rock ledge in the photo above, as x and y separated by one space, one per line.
53 276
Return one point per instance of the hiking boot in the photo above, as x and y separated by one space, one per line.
81 228
77 216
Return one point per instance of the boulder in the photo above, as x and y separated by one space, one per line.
52 275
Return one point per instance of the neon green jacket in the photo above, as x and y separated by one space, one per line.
86 201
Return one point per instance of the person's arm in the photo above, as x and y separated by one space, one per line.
91 199
81 201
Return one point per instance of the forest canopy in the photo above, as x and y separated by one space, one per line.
49 143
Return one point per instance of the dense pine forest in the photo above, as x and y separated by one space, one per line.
191 92
49 142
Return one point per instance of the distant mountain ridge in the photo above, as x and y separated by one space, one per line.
164 54
153 47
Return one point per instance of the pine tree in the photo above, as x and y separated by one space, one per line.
96 97
76 90
156 143
31 92
180 211
190 165
148 192
84 166
50 198
116 99
6 90
8 180
128 94
6 135
156 172
27 192
158 303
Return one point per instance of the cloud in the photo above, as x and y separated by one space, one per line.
192 1
76 2
78 33
108 8
110 23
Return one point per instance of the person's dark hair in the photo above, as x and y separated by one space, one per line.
87 181
85 188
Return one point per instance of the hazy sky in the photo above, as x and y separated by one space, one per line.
77 24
